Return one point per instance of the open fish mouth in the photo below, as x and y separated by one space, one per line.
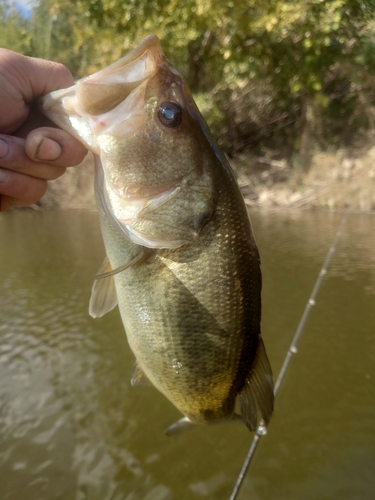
87 108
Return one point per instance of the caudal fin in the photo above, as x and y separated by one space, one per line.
257 396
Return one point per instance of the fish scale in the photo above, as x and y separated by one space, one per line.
198 283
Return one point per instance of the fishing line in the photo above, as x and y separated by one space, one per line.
261 431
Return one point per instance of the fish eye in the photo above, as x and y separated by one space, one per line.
170 114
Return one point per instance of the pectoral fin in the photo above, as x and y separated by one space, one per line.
103 293
143 254
257 393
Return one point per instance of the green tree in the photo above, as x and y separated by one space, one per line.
282 74
14 32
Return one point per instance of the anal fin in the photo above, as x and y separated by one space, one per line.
257 393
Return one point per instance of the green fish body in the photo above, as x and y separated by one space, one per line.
182 263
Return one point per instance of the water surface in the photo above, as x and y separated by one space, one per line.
72 427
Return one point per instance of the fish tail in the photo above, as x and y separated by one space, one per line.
257 393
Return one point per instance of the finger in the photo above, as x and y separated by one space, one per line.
54 146
38 76
45 76
25 79
19 190
14 157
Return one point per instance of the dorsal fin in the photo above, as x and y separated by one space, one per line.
103 293
257 392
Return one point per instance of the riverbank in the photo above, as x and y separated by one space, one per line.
335 181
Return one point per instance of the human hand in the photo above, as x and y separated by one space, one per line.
31 151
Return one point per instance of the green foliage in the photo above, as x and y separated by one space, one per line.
14 33
266 73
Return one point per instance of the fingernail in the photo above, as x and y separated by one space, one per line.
4 148
48 150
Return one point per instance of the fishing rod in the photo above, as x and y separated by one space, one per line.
261 430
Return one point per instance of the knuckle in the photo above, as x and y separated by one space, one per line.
64 74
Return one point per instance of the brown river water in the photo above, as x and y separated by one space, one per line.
72 427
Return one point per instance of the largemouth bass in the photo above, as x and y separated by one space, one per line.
182 263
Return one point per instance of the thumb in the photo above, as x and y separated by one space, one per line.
22 80
54 146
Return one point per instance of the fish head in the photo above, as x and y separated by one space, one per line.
155 178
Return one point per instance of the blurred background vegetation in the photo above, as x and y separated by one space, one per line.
278 78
